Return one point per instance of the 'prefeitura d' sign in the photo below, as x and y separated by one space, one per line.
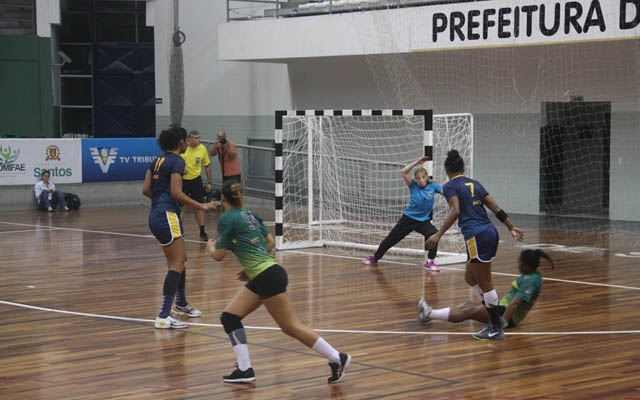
555 20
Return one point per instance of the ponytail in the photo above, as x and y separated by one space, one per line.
232 192
531 258
542 254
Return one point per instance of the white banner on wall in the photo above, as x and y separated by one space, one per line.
23 160
507 22
480 24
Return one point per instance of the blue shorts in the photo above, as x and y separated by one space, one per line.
165 226
483 246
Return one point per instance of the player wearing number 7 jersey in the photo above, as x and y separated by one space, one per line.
467 199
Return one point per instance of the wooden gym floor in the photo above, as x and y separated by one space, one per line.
80 290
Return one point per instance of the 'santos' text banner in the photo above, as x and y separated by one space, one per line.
23 160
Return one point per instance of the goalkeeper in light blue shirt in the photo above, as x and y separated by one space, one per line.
417 216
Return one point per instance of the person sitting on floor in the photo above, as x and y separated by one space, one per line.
47 196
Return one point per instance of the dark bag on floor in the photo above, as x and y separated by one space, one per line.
72 200
212 195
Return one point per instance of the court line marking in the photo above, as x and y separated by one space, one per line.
462 270
48 227
270 328
28 230
318 330
325 255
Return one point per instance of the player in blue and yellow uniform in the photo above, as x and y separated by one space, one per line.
417 216
242 232
163 184
513 306
467 199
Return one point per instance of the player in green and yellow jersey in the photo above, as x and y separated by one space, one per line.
242 232
513 306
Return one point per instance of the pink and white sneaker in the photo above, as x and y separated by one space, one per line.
431 266
369 260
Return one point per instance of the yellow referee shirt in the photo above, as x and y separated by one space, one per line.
194 159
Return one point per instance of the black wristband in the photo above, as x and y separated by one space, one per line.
502 216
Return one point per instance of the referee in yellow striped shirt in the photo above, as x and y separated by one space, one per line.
195 157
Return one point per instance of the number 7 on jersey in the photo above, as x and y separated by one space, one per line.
471 188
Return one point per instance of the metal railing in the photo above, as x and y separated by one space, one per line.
18 17
241 10
252 9
257 167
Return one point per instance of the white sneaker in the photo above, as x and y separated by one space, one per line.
424 316
50 209
169 323
422 304
66 208
424 311
188 310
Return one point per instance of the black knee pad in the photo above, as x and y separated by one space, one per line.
230 322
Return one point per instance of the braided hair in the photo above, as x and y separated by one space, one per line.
170 138
531 258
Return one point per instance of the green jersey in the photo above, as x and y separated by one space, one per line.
242 232
528 287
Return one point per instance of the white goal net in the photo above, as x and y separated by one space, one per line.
556 126
341 181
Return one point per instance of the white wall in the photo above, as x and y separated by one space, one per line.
212 87
502 87
512 177
481 81
412 29
47 13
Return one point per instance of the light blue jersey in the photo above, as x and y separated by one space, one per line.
421 201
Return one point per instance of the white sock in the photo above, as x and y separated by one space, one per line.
477 291
491 298
441 313
322 347
242 355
